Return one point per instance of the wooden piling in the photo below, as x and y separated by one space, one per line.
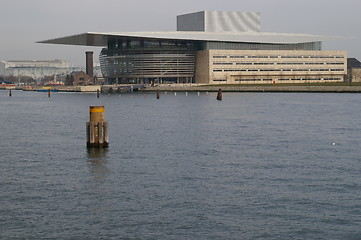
9 92
97 93
158 96
97 128
219 95
49 92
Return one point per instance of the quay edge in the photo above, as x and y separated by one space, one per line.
194 88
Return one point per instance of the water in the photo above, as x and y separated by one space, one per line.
253 166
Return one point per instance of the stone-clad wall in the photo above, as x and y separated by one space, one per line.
261 66
354 74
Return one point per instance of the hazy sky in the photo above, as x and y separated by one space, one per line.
24 22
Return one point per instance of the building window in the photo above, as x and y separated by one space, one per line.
222 63
244 63
269 63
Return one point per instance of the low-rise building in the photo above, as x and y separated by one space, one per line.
38 70
34 68
78 78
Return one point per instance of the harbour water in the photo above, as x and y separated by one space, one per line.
252 166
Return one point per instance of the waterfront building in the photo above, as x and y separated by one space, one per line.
33 68
38 69
213 47
78 78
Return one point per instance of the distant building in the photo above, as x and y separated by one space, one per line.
353 70
40 69
34 69
78 78
214 47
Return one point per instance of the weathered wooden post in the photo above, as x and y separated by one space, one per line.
219 95
49 92
9 92
158 96
97 93
97 128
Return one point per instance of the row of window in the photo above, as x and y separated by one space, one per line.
253 79
277 70
280 63
222 56
262 46
163 73
282 79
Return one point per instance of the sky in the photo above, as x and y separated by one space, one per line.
25 22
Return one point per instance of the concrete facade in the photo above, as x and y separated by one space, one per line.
203 67
354 74
254 67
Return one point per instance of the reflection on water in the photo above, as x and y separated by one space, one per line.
97 153
97 157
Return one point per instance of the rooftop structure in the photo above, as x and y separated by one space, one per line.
217 21
211 46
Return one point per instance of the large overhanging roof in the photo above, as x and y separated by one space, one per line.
101 39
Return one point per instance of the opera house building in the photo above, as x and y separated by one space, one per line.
213 47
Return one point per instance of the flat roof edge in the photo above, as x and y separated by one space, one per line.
98 39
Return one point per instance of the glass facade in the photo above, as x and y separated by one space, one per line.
145 61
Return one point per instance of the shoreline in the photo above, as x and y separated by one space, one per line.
194 88
316 89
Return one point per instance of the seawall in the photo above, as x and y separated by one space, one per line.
258 88
194 88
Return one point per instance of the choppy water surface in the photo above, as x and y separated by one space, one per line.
253 166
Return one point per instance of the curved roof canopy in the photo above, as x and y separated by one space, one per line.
101 39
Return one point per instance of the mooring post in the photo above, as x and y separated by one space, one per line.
97 128
158 96
49 92
97 93
9 92
219 95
